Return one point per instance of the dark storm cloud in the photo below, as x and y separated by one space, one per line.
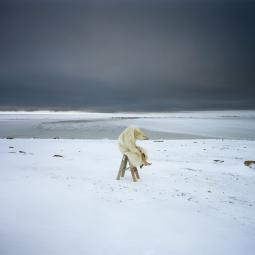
101 55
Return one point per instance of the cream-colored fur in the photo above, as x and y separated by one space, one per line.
127 144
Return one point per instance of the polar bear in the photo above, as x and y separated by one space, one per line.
127 144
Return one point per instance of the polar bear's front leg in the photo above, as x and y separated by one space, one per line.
144 156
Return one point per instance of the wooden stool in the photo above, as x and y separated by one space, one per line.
123 168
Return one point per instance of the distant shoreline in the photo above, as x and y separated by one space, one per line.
239 125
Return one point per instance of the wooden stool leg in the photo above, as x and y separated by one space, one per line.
133 173
125 165
122 166
136 173
122 169
123 172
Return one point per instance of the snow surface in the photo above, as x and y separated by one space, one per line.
185 203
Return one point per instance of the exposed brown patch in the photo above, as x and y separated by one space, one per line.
249 162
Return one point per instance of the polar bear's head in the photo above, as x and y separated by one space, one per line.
131 134
139 135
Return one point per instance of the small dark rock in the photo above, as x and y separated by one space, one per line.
9 137
218 161
22 152
11 147
58 156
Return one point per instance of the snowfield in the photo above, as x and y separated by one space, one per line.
197 197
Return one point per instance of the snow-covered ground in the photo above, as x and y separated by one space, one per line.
197 197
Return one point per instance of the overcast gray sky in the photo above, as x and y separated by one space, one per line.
127 55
